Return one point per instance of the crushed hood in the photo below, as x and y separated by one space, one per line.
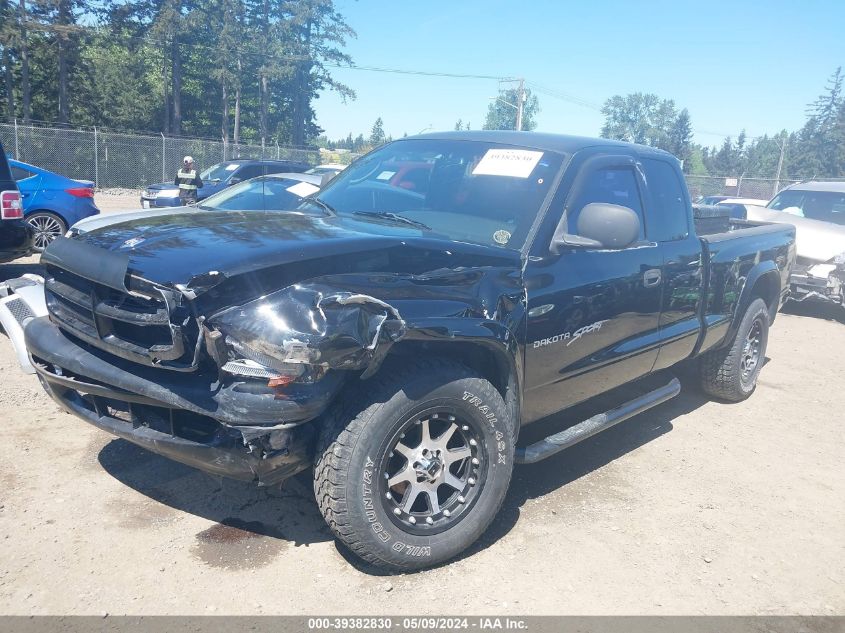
256 251
815 240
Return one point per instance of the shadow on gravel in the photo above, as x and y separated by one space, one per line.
291 514
816 310
288 514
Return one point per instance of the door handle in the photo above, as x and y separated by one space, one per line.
652 278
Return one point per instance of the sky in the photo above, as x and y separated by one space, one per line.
734 65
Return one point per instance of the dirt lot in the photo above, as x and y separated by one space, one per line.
695 507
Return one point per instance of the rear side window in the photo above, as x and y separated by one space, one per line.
614 185
18 173
667 211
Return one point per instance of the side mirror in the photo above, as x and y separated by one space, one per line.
602 225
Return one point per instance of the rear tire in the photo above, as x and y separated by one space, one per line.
47 226
730 373
414 471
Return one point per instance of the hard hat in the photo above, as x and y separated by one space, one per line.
188 159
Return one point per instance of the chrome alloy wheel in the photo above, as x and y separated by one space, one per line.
433 472
751 350
47 229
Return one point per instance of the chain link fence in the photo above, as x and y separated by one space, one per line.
123 160
736 187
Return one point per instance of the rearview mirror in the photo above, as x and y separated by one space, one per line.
602 225
234 180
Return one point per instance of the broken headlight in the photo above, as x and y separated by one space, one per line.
310 328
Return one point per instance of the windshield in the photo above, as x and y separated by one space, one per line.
471 191
827 206
221 171
265 193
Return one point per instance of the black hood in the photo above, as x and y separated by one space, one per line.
201 250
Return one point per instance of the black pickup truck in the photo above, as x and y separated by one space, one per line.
398 329
15 234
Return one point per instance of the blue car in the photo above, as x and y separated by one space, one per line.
51 202
217 177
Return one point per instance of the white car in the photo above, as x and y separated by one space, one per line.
817 211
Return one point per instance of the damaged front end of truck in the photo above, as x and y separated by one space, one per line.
230 390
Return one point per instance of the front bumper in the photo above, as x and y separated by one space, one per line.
806 286
230 430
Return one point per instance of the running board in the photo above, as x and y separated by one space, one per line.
589 427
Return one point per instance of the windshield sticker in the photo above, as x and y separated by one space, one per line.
232 167
516 163
303 189
385 175
501 237
570 337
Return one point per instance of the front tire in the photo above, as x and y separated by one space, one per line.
414 472
48 226
731 373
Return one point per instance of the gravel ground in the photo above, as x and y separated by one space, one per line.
694 507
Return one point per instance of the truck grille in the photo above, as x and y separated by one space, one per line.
136 328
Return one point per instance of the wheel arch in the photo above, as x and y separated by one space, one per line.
763 282
492 359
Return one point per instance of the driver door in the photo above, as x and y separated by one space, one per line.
593 313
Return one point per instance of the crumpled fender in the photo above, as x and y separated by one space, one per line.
313 324
350 321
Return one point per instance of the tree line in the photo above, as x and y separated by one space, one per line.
817 150
240 70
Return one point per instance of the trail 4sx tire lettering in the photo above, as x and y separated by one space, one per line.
415 470
731 373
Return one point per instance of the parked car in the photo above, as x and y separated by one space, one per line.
817 211
52 202
15 234
276 192
398 341
710 200
217 177
755 201
332 169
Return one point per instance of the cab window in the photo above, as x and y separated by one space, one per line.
668 217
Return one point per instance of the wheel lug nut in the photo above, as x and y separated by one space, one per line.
475 461
471 481
461 499
447 513
464 428
473 443
401 436
386 475
412 520
451 418
397 511
429 520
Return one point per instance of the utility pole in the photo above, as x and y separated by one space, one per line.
783 143
520 102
